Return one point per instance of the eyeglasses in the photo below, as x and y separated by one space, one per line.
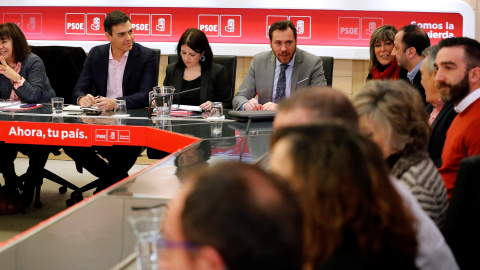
172 244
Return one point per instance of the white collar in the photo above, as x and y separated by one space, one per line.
110 55
466 101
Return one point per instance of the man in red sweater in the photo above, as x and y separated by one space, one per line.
458 79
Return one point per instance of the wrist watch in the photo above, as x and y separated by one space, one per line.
19 80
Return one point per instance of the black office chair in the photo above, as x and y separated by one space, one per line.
328 68
63 66
462 224
158 52
228 61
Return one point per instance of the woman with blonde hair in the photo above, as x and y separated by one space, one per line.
392 114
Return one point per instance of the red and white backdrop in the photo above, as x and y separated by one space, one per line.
242 26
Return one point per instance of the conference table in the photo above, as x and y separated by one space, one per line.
94 233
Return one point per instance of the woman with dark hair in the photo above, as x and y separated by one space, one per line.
383 65
353 216
22 78
392 114
195 68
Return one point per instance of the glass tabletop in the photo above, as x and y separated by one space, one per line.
94 233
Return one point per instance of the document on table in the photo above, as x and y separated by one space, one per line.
4 104
79 108
186 108
18 106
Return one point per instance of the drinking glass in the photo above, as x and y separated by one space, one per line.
216 110
146 226
120 107
57 104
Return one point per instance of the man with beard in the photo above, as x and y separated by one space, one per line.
276 74
441 113
458 79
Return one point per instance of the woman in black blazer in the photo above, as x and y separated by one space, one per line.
196 69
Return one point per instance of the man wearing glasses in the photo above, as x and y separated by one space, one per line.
232 216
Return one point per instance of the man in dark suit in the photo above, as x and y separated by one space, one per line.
122 70
410 42
122 56
441 113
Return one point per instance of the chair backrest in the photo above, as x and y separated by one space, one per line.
158 52
228 61
63 65
462 224
328 68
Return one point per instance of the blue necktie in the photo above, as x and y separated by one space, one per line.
281 84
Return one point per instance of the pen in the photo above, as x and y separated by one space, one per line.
302 80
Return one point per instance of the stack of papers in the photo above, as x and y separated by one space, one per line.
18 106
186 108
8 104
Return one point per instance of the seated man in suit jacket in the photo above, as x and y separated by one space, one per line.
276 74
123 70
441 113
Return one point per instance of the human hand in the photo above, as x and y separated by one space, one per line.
206 106
7 71
87 101
269 106
105 104
252 105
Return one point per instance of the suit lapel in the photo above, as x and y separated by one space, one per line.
103 70
270 76
297 67
130 67
441 114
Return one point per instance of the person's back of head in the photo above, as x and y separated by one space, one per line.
346 196
416 37
245 214
398 108
316 104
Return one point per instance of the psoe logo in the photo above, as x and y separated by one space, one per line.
101 135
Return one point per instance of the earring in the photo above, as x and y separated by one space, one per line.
202 58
